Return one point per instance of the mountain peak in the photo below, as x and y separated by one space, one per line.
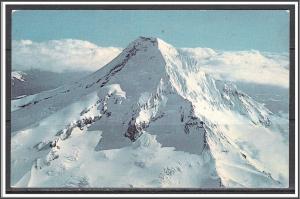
142 43
145 39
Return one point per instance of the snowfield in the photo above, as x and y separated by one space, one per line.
154 116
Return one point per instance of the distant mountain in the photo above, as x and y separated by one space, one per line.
17 76
34 81
149 118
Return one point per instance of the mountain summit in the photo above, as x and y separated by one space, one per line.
149 118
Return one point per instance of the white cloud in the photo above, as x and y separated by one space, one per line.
78 55
247 66
60 55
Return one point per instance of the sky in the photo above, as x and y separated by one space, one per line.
232 30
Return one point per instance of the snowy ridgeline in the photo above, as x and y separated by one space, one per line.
150 118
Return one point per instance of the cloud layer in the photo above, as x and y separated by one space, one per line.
246 66
77 55
60 55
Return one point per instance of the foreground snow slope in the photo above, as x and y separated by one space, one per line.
149 118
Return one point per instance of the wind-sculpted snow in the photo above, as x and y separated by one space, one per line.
149 118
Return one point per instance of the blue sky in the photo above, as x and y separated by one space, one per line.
224 30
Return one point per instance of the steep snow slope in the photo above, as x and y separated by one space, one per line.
252 71
150 112
239 131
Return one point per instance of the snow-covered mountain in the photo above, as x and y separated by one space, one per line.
33 81
149 118
18 82
18 75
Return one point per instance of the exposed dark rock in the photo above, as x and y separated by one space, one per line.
22 106
244 156
135 130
